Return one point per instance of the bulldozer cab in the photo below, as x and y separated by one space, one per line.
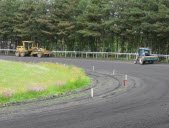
28 44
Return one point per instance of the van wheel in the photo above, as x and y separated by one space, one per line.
151 62
135 61
141 61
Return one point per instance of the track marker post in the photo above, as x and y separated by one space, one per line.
113 72
92 92
125 81
126 77
93 68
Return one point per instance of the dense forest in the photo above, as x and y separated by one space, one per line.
87 25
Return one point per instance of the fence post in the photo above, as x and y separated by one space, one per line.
166 58
65 54
82 55
129 56
136 55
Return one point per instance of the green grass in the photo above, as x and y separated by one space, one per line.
23 81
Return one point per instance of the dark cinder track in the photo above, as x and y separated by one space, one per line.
144 103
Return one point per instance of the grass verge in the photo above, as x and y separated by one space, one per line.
24 81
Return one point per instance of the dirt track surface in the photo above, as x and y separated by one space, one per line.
143 103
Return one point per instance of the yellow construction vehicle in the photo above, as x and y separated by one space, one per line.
29 48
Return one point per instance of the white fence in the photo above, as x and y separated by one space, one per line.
103 55
7 51
95 55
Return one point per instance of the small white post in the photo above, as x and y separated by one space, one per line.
126 77
113 72
92 92
93 68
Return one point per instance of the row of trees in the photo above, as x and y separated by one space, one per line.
87 25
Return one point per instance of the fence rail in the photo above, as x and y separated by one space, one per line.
96 55
7 51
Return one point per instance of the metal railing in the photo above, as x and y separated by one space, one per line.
7 51
90 55
96 55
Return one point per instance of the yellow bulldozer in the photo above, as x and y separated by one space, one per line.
29 48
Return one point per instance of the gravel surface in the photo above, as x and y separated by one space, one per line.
143 103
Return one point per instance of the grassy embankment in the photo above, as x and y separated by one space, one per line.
23 81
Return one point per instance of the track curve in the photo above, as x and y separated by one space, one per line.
144 103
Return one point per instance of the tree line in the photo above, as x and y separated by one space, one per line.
87 25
